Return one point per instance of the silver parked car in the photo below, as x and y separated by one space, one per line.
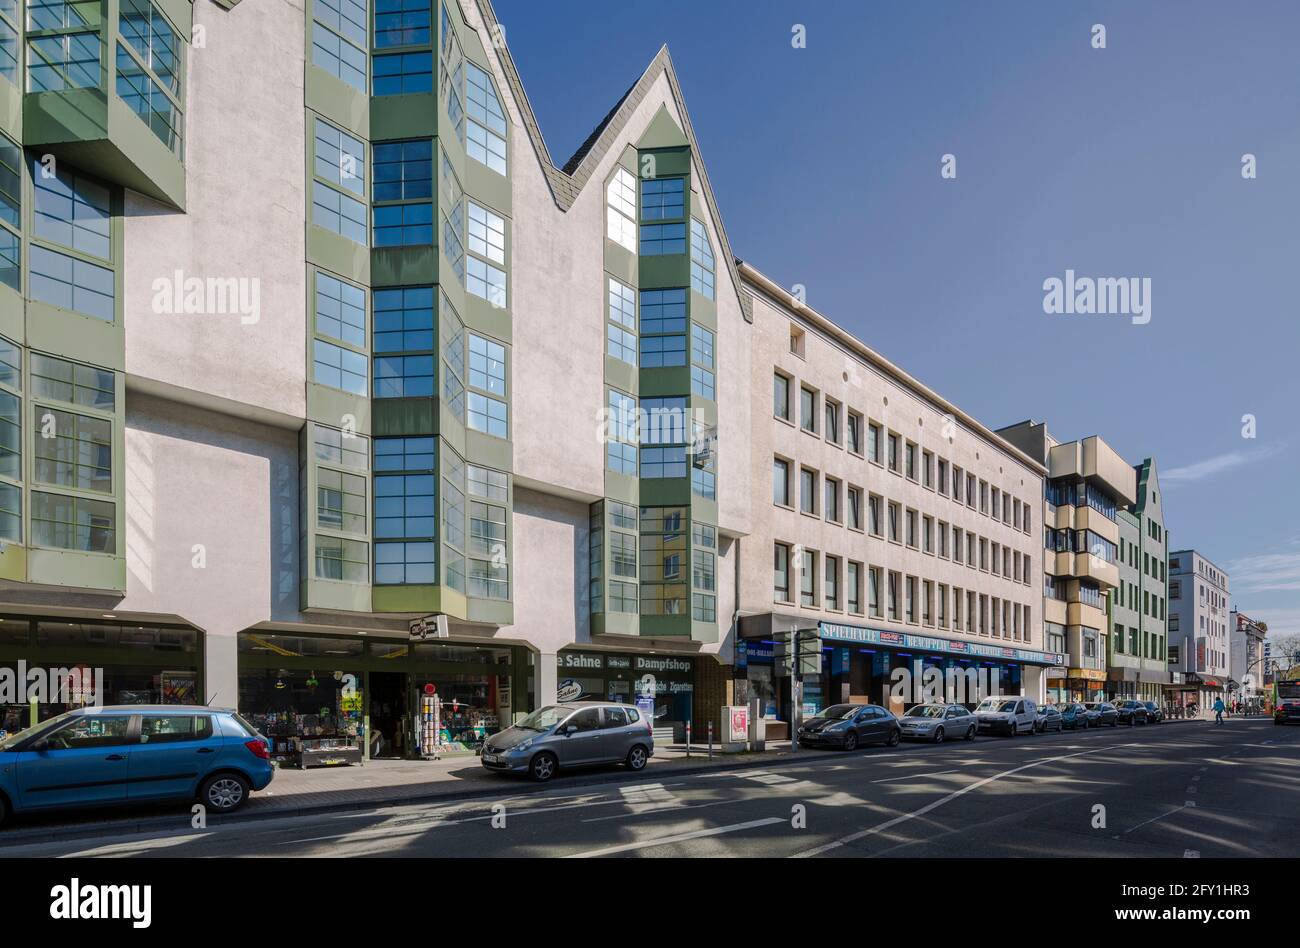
938 722
573 734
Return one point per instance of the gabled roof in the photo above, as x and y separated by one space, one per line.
567 181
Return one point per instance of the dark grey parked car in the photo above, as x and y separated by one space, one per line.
1101 712
573 734
847 726
1131 712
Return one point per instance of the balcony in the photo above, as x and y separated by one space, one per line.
104 91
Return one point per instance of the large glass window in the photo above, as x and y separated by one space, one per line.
336 55
340 501
9 42
702 362
340 310
405 506
401 23
403 73
71 382
664 551
64 61
621 434
73 450
403 319
344 449
340 368
338 213
621 330
403 376
148 70
340 157
72 210
404 454
662 199
403 225
341 559
73 523
661 239
403 170
11 185
485 131
71 283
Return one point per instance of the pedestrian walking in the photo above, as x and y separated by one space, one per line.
1218 710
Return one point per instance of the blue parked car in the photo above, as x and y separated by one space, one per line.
131 754
1074 716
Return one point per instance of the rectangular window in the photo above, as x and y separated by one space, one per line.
340 310
780 396
73 523
72 210
807 491
78 454
781 482
340 368
831 507
832 429
662 199
854 431
402 23
873 591
64 61
832 582
853 587
10 259
70 283
622 434
808 579
808 410
403 171
404 376
148 98
405 506
660 239
8 51
403 319
661 351
340 501
855 508
403 225
874 433
781 572
337 56
621 331
340 158
487 415
338 213
702 383
403 73
402 454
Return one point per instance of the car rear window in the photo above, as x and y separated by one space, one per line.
248 729
615 717
174 728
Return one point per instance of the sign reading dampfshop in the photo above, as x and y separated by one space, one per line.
930 643
670 665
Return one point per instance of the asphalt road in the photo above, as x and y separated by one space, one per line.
1181 790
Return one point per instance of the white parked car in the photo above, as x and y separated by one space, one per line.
1007 715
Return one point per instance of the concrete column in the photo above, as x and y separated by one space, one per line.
1035 682
221 668
547 677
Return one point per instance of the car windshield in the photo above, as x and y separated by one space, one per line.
926 711
543 719
838 712
32 732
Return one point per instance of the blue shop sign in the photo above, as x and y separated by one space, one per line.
930 643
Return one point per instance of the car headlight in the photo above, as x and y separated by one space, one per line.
522 746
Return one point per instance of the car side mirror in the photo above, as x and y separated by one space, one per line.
570 729
41 745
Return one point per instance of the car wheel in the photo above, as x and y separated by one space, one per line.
1011 731
542 767
851 741
636 758
970 734
224 793
894 737
937 737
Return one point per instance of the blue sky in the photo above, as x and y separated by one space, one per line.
1116 162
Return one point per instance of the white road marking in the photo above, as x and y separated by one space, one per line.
937 773
934 805
1154 818
676 838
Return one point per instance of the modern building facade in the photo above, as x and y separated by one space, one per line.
1087 484
898 527
1198 627
267 401
1137 661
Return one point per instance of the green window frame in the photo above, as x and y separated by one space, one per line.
72 450
340 501
342 560
64 522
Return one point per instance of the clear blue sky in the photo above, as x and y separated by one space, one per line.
1117 162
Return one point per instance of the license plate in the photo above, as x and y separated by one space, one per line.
490 758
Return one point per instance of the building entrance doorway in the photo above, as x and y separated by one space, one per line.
390 715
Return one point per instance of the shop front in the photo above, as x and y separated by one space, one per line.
1083 684
1124 683
341 699
632 678
1190 690
48 666
859 665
